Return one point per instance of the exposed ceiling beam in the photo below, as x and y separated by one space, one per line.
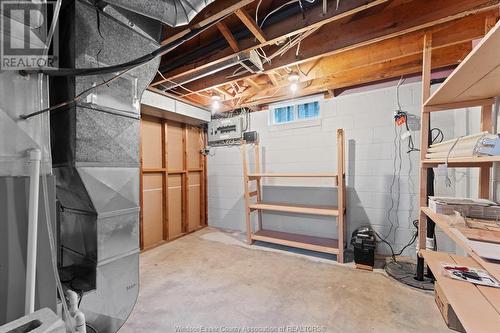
254 84
443 57
224 30
288 27
368 30
272 77
215 11
251 25
456 32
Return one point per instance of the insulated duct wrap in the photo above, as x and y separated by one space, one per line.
172 12
95 151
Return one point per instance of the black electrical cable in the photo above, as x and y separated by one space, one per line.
92 328
439 135
162 50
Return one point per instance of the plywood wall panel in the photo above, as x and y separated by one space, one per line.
152 209
175 150
194 212
151 144
194 146
174 206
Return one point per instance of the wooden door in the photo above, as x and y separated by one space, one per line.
173 190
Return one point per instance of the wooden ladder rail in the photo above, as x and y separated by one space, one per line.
258 182
341 193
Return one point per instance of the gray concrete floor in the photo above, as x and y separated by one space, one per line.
211 280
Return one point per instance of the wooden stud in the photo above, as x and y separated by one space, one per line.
164 128
224 30
185 180
424 140
249 22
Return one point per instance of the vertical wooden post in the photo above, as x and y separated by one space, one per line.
484 171
486 125
424 137
246 193
258 182
185 181
164 164
340 193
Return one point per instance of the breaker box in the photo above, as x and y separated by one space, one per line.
225 129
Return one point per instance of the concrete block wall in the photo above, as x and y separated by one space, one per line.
367 120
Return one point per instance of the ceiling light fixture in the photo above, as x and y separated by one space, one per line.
294 78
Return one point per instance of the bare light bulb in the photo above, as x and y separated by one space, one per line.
215 102
294 87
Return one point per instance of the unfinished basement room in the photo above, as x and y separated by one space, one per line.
249 166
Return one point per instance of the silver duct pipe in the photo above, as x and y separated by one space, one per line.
172 12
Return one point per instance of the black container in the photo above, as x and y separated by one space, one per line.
363 241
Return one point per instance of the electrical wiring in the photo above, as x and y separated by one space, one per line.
276 10
162 50
257 12
91 327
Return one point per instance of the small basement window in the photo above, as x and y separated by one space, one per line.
294 111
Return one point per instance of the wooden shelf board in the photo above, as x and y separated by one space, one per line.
477 76
462 160
443 222
477 307
301 209
319 244
294 175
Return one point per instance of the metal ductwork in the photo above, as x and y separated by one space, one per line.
250 61
95 151
172 12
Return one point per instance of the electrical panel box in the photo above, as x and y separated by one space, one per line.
225 129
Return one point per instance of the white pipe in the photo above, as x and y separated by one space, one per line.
80 325
34 156
72 302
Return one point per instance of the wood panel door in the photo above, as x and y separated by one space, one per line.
173 182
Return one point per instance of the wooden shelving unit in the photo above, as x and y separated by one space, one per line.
319 244
473 83
477 307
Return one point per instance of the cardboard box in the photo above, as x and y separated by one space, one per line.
449 316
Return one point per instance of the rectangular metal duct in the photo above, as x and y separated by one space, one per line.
249 60
95 151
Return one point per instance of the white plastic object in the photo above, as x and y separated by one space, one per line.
80 326
34 155
72 302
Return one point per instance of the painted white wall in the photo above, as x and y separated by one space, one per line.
367 120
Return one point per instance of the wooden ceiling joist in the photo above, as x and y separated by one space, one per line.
224 30
461 31
390 69
249 22
368 30
288 27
